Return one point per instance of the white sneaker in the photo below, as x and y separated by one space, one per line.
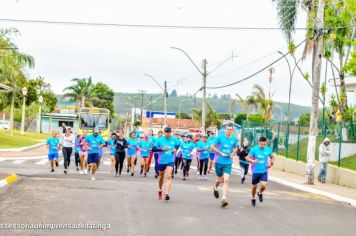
93 178
205 177
200 177
85 171
81 172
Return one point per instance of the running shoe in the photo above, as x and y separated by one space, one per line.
175 172
145 174
224 203
216 193
93 178
205 177
116 175
85 171
65 171
141 172
77 169
184 178
81 172
128 170
52 170
159 195
166 197
253 202
132 174
260 196
243 180
156 176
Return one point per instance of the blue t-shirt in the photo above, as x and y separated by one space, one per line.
225 145
76 146
262 156
131 151
137 133
146 148
166 156
53 145
187 148
204 154
94 143
152 140
210 141
112 146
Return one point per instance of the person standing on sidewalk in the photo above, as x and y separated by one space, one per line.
53 148
324 158
262 159
225 146
242 152
67 143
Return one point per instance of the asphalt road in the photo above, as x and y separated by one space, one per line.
130 206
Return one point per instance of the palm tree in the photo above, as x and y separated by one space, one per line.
287 13
212 116
80 91
264 103
243 103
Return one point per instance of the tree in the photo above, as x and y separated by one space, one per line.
37 87
256 118
212 118
339 42
350 67
287 13
173 93
224 116
80 91
103 97
184 115
240 117
304 119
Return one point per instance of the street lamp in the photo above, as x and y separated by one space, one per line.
180 107
40 100
165 92
24 93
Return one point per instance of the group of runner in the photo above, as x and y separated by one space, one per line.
171 153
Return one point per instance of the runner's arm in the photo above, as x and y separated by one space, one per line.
250 159
215 149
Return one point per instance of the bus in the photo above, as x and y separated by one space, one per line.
91 118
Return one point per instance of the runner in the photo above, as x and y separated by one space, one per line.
262 159
242 152
178 158
211 151
197 138
94 143
76 152
101 152
83 154
53 148
187 147
120 153
131 153
112 147
203 150
151 139
67 143
167 146
225 146
145 148
135 131
156 155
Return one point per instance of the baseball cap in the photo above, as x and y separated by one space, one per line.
96 130
167 130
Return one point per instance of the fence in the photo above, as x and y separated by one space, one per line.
291 140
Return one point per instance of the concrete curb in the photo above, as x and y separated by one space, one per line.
21 149
303 188
8 180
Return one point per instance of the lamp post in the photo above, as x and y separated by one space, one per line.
24 93
40 100
180 107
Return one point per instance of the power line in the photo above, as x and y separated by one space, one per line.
100 24
257 72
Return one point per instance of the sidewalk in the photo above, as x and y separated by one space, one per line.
37 151
342 191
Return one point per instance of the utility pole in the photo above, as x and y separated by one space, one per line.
203 110
142 97
316 73
165 103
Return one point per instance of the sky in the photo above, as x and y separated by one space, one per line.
119 56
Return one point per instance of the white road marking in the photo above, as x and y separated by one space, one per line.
42 162
18 161
107 163
2 159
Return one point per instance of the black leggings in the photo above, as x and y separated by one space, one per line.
186 164
203 165
77 160
177 163
67 152
244 167
119 161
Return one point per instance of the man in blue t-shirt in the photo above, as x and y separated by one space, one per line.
166 145
225 146
262 159
94 143
53 147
